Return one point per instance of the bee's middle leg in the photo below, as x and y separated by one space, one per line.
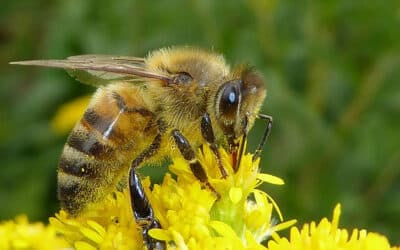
195 166
208 134
142 210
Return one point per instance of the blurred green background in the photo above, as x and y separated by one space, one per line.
332 70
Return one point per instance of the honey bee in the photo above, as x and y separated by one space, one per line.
148 109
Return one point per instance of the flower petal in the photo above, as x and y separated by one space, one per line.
91 234
160 234
82 245
270 179
223 229
96 226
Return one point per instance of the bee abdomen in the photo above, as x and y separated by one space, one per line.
99 151
85 169
83 180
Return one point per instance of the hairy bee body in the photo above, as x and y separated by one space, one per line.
132 116
102 144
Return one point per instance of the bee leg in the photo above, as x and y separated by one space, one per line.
264 139
142 210
144 214
208 134
189 155
239 148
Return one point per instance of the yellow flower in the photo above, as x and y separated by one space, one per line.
327 236
106 225
66 117
192 217
20 234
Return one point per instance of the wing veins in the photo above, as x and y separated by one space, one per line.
109 65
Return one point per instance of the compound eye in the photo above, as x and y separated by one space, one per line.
229 99
182 78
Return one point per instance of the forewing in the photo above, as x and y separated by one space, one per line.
101 69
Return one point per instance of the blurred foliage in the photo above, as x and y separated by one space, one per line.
332 69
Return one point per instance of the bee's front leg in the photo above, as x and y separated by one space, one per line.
189 155
264 139
142 210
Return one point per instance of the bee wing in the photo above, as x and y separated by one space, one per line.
101 69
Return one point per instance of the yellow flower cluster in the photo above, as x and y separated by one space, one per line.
20 234
192 218
327 236
106 225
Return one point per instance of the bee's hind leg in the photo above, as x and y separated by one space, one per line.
142 210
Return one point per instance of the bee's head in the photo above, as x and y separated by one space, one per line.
237 103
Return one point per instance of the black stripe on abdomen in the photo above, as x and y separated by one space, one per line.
88 143
78 167
96 121
70 193
103 125
69 190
